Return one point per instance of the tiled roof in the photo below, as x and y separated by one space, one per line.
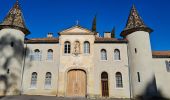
110 40
15 19
42 40
134 23
161 54
56 40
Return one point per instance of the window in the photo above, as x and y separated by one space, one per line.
8 71
138 76
119 82
167 65
12 44
116 54
37 55
67 47
103 54
50 54
34 80
86 47
135 50
48 80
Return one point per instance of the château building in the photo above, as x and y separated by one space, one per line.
81 63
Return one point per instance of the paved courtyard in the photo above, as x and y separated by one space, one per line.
24 97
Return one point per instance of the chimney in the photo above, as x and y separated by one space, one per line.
107 34
97 34
50 35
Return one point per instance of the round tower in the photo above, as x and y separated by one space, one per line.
12 35
140 55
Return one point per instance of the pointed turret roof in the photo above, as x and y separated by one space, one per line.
134 23
15 19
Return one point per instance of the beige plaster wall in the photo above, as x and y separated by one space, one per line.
111 66
41 67
162 76
141 61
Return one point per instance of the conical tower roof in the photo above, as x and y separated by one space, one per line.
134 23
15 19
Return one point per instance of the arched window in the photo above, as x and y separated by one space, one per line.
48 77
116 54
86 47
103 54
33 80
37 55
67 47
50 54
119 82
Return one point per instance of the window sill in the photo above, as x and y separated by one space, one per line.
86 54
67 54
49 60
33 88
119 88
103 60
47 88
117 60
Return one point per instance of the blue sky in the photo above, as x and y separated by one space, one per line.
43 16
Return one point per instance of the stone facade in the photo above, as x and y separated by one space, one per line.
110 67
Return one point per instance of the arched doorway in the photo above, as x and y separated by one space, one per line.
104 83
76 83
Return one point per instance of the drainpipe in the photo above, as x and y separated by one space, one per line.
22 74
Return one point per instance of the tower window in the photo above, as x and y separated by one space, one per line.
12 44
7 71
138 76
135 50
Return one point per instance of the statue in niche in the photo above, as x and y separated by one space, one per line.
76 47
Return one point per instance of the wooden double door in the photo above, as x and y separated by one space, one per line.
76 83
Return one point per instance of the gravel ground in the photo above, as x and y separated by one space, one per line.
25 97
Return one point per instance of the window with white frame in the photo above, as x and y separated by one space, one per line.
50 54
119 82
103 54
86 47
116 54
34 80
37 55
67 47
48 77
